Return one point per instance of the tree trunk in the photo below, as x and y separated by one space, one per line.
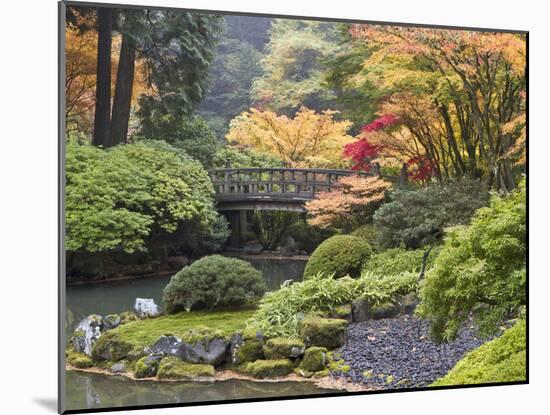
103 79
123 91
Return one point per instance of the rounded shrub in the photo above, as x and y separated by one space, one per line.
340 255
213 282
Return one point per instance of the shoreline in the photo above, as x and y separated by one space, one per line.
327 382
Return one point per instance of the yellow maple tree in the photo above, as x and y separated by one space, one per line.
308 140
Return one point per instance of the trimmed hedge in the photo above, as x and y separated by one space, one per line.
212 282
340 255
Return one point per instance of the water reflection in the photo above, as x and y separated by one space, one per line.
87 390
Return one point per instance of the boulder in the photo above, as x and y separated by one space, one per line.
315 359
246 347
146 307
253 248
166 345
267 368
118 368
128 317
408 303
111 347
323 332
177 262
288 246
79 360
111 321
385 310
360 310
147 367
281 348
342 312
173 368
209 351
86 334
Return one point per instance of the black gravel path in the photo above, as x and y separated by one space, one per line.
398 353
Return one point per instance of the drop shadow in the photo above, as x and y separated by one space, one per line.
48 403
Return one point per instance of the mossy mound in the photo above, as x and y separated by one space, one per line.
340 255
314 360
323 332
503 359
385 310
142 333
146 367
110 346
128 317
267 368
336 363
202 334
175 369
247 347
79 360
281 348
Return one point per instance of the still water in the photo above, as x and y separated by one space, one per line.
86 390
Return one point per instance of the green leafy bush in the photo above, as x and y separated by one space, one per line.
481 270
212 282
308 237
191 135
280 312
242 158
501 360
416 216
119 198
369 233
398 260
339 255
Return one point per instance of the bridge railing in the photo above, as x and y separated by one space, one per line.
256 181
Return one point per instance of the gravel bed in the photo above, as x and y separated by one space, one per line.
398 353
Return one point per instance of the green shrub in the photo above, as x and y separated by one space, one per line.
281 311
211 282
416 217
119 198
242 158
398 260
271 225
339 255
308 237
369 233
501 360
481 270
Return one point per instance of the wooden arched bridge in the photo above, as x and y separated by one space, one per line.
239 190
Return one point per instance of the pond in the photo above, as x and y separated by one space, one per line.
87 390
117 296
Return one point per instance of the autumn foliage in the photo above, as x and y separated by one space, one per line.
352 203
310 139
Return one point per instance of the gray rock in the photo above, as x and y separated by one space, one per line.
296 352
360 310
148 366
288 246
146 307
166 346
86 334
386 310
111 321
408 303
118 368
254 248
209 351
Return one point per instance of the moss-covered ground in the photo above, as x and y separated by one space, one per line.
145 332
500 360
